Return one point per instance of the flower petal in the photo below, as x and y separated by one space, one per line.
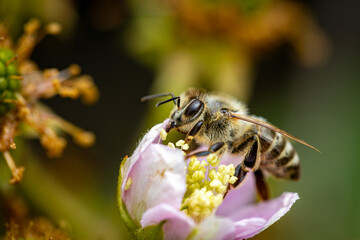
158 176
214 228
239 197
152 136
247 227
251 220
176 226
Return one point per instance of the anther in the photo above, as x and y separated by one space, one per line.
17 77
163 134
53 28
11 60
17 172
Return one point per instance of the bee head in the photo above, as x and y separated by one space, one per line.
186 112
187 115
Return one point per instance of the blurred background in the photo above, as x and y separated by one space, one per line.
296 63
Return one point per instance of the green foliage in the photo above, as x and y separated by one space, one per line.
151 233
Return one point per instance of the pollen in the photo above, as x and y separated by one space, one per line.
201 203
182 144
207 182
163 134
128 183
170 144
213 160
185 147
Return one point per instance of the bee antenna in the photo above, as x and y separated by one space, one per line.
169 100
173 98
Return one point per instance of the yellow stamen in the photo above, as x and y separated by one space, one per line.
213 159
185 147
163 134
205 185
206 182
170 144
232 179
180 143
201 203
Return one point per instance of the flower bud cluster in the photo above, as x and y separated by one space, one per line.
9 79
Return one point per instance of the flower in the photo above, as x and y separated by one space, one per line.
159 195
22 85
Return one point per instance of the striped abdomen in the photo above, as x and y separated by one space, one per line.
278 156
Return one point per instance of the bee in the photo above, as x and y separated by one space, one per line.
224 124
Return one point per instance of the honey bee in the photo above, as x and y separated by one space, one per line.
222 123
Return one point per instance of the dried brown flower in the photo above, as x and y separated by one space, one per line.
19 225
22 84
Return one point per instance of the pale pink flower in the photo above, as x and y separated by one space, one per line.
152 184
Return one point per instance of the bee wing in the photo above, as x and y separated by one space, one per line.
271 127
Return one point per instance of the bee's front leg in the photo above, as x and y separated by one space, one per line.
191 134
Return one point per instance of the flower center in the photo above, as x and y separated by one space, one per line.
206 182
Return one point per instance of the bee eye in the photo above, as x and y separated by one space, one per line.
193 108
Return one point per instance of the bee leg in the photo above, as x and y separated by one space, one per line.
240 173
191 134
215 148
248 164
252 159
251 163
261 185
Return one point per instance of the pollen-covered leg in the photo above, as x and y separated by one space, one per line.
218 148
